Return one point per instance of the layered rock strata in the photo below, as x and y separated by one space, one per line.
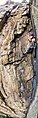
16 66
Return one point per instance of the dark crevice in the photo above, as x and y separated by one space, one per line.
4 20
2 97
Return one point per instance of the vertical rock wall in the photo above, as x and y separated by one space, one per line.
16 67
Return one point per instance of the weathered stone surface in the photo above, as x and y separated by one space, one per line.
16 67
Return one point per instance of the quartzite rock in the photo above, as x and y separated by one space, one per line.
16 68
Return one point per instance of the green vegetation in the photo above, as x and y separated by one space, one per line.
3 116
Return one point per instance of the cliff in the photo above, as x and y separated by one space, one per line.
16 63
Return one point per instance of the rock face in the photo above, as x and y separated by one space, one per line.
16 66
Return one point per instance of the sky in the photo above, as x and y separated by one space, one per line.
4 1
